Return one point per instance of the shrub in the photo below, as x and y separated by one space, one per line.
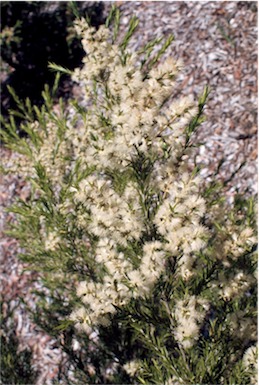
147 275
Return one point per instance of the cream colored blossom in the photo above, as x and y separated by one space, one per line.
250 356
185 266
52 241
250 362
237 285
189 314
132 367
243 326
175 380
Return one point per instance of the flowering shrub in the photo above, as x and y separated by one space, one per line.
152 272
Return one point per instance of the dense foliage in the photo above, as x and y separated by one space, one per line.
146 275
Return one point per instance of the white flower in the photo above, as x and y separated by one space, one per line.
250 357
188 314
175 381
135 277
52 241
250 362
132 367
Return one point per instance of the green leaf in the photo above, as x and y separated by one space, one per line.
64 325
132 27
162 50
59 68
74 8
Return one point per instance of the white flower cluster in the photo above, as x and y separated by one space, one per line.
232 240
243 326
121 282
178 217
50 152
250 362
234 285
52 241
114 216
189 313
125 121
132 367
127 110
239 242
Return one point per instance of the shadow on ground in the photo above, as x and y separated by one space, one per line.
34 34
